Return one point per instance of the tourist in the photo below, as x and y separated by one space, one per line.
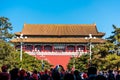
4 75
118 75
14 73
22 75
46 76
110 75
77 75
92 73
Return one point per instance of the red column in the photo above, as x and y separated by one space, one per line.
75 48
85 50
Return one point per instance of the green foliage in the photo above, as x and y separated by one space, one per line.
5 51
113 61
5 28
103 49
10 57
100 59
83 62
116 34
80 63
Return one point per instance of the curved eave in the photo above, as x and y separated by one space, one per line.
17 33
59 40
26 34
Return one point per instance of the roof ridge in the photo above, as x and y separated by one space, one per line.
59 24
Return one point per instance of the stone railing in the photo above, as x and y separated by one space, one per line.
57 53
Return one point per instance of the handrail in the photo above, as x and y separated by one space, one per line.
57 53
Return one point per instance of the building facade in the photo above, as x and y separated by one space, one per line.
57 40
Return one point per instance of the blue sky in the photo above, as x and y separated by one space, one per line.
102 12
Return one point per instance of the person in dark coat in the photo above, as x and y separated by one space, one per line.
14 73
111 75
4 75
92 73
118 75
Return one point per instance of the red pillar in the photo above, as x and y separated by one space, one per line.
85 50
75 48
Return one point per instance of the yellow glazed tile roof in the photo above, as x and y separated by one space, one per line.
60 29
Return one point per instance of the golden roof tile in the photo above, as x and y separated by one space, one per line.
60 29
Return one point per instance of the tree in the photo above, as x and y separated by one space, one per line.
113 61
103 49
116 35
5 28
5 51
10 57
99 53
115 38
81 63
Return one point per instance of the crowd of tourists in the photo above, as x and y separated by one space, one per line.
56 74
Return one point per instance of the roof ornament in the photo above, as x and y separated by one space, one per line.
94 23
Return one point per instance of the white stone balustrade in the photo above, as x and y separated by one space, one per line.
58 53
